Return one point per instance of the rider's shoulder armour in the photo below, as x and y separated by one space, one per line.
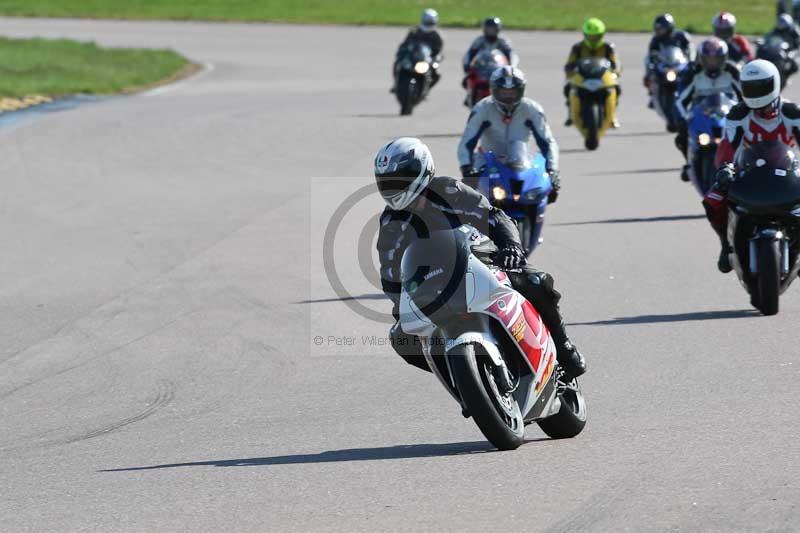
790 110
738 112
733 70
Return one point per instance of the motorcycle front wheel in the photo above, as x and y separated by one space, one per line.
571 418
769 276
496 413
591 121
405 92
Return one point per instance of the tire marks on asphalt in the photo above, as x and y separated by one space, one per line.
159 398
162 397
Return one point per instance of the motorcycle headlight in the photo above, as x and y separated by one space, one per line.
499 193
421 67
671 76
704 139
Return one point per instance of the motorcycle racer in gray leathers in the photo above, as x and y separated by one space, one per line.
418 202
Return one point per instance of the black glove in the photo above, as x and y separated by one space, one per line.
464 82
510 257
555 180
468 171
724 176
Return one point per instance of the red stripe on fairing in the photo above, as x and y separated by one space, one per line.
531 347
531 335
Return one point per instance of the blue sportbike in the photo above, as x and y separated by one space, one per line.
521 188
706 128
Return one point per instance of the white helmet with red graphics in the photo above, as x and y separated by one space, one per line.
761 84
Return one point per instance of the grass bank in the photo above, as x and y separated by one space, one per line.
60 67
755 16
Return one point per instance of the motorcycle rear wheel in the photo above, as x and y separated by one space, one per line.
571 418
497 415
769 277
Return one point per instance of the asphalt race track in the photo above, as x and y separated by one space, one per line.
173 357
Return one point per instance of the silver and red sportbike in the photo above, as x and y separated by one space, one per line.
485 342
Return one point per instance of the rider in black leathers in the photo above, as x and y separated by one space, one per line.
418 203
426 34
786 29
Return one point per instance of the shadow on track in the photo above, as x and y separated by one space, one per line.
408 451
668 218
634 171
639 133
439 136
376 115
373 296
679 317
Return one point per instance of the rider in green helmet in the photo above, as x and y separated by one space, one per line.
592 45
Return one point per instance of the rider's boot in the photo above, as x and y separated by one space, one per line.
537 287
724 261
685 173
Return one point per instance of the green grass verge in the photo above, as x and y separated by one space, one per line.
755 16
59 67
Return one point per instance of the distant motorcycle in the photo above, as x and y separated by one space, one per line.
777 51
414 68
521 189
670 64
764 222
485 343
480 72
706 128
593 99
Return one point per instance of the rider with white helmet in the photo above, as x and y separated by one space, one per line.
503 118
762 116
419 202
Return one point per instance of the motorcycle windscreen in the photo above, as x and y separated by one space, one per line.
519 156
768 178
715 106
672 56
433 272
422 52
487 61
593 68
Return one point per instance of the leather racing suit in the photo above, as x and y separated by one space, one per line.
740 50
582 51
482 43
432 39
496 132
745 127
697 84
448 203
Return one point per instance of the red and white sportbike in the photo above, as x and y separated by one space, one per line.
484 341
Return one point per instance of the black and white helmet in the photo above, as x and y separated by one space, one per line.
403 169
761 84
664 25
428 20
784 23
508 87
